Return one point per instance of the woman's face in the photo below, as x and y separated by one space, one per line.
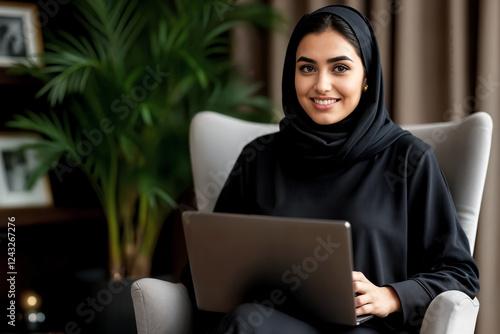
329 76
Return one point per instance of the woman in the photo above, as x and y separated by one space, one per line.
339 156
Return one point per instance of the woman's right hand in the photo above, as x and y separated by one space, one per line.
371 299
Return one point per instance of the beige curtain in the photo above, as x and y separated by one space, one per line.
441 61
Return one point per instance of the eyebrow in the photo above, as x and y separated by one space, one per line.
331 60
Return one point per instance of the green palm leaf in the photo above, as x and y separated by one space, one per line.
123 95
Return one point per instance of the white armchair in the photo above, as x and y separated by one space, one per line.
462 149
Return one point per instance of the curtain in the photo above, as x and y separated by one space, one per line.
441 61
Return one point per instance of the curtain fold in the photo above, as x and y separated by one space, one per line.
441 62
487 98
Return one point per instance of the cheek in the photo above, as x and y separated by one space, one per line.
350 90
301 86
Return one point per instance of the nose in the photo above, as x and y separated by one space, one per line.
323 83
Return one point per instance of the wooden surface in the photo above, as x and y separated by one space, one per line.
32 216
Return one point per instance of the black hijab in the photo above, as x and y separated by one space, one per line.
366 131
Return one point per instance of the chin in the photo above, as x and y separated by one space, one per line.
326 119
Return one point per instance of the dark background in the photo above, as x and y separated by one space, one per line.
61 252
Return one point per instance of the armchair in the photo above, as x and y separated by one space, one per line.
462 149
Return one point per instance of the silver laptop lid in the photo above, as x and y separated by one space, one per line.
311 258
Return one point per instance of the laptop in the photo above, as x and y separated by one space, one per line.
309 259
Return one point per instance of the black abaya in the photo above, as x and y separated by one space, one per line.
365 170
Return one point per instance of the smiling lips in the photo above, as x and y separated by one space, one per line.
324 104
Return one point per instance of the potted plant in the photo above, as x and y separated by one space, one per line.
122 95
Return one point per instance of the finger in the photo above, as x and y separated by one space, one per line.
365 309
358 276
361 300
361 287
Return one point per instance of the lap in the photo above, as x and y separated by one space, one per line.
254 318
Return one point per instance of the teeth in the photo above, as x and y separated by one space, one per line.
324 102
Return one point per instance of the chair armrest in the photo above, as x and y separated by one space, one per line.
451 312
161 307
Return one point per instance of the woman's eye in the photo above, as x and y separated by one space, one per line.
340 68
306 69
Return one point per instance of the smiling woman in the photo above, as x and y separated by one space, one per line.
329 76
328 161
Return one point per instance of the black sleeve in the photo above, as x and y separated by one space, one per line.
439 256
234 195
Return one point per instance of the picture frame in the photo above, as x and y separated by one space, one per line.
20 33
15 168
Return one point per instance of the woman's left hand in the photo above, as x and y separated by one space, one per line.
371 299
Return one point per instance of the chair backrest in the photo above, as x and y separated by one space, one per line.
216 141
462 149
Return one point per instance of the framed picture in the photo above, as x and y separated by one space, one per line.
20 33
15 168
